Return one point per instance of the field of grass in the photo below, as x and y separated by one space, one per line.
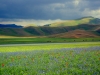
51 59
47 46
20 40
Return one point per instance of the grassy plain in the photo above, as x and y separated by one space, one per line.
47 46
81 58
21 40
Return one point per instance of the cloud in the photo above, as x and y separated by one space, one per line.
47 9
26 22
76 2
94 13
93 4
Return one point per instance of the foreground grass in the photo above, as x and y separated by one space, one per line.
51 62
47 46
51 59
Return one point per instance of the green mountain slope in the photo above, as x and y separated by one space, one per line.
13 32
88 24
85 20
46 31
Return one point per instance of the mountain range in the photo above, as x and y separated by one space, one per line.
79 28
10 26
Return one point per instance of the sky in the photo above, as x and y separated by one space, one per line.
40 12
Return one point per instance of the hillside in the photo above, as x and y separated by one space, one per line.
98 30
84 20
47 31
83 27
76 34
41 31
13 32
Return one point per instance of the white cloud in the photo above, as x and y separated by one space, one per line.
76 2
48 9
94 13
26 22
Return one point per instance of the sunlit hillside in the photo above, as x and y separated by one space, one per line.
85 20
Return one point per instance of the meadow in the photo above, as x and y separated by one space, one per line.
51 59
27 40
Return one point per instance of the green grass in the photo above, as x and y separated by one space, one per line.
20 40
51 59
51 62
47 46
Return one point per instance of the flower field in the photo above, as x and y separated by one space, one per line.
62 61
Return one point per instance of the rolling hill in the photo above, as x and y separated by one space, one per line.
76 34
84 20
13 32
57 31
79 28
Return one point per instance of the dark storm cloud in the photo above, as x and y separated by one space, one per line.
94 4
46 9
